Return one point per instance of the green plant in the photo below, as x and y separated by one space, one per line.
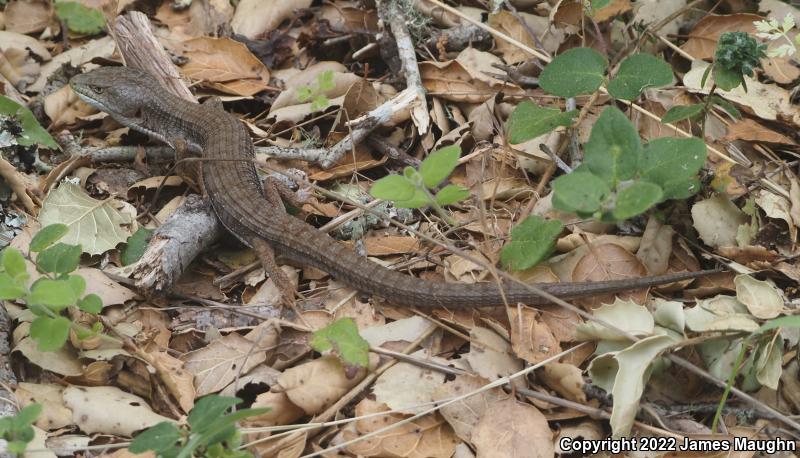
316 91
343 338
52 294
532 241
210 432
756 342
80 19
32 132
17 430
771 30
737 55
414 188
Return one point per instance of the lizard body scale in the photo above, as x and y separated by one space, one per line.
137 100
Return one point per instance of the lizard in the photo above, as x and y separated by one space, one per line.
256 215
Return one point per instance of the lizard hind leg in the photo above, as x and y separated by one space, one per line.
266 255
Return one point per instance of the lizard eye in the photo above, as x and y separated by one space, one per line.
97 89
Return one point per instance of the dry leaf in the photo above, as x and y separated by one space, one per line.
226 65
54 414
749 130
508 427
426 437
217 364
609 261
27 16
409 388
252 20
109 410
463 415
717 221
315 385
565 379
490 355
531 338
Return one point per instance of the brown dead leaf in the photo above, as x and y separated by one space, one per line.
609 261
55 414
19 58
531 338
317 384
655 248
750 130
63 107
349 17
282 410
27 16
572 12
409 388
392 244
350 163
505 22
464 414
426 437
226 65
507 427
490 355
702 42
450 81
178 380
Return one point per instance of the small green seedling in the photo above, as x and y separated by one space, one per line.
32 132
210 432
415 188
52 294
316 92
532 241
343 338
79 18
18 430
738 55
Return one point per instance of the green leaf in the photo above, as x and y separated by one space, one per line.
529 120
673 164
393 187
614 150
325 80
600 4
159 438
47 236
727 79
14 262
136 245
28 415
726 105
55 294
638 72
50 333
304 93
782 322
91 303
574 72
10 288
579 192
451 194
59 258
439 165
208 410
418 199
636 199
80 19
32 132
681 112
532 241
77 284
342 336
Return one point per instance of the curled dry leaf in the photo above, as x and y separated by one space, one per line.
461 80
76 56
175 377
426 437
282 410
551 37
225 65
19 58
109 410
752 131
406 330
463 415
27 16
565 379
656 246
63 107
763 299
317 384
507 427
626 315
717 221
61 361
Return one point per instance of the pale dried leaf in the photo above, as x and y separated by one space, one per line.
409 388
626 315
61 361
508 427
109 410
317 384
762 298
463 415
217 364
717 221
252 20
490 355
55 414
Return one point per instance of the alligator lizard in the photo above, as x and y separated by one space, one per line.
247 210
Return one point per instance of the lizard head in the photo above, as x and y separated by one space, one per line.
119 91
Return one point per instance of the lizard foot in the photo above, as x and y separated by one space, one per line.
267 257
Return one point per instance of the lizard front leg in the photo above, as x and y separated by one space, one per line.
266 255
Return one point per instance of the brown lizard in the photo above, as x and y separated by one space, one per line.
256 216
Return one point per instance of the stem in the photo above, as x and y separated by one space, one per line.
436 207
706 106
729 384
